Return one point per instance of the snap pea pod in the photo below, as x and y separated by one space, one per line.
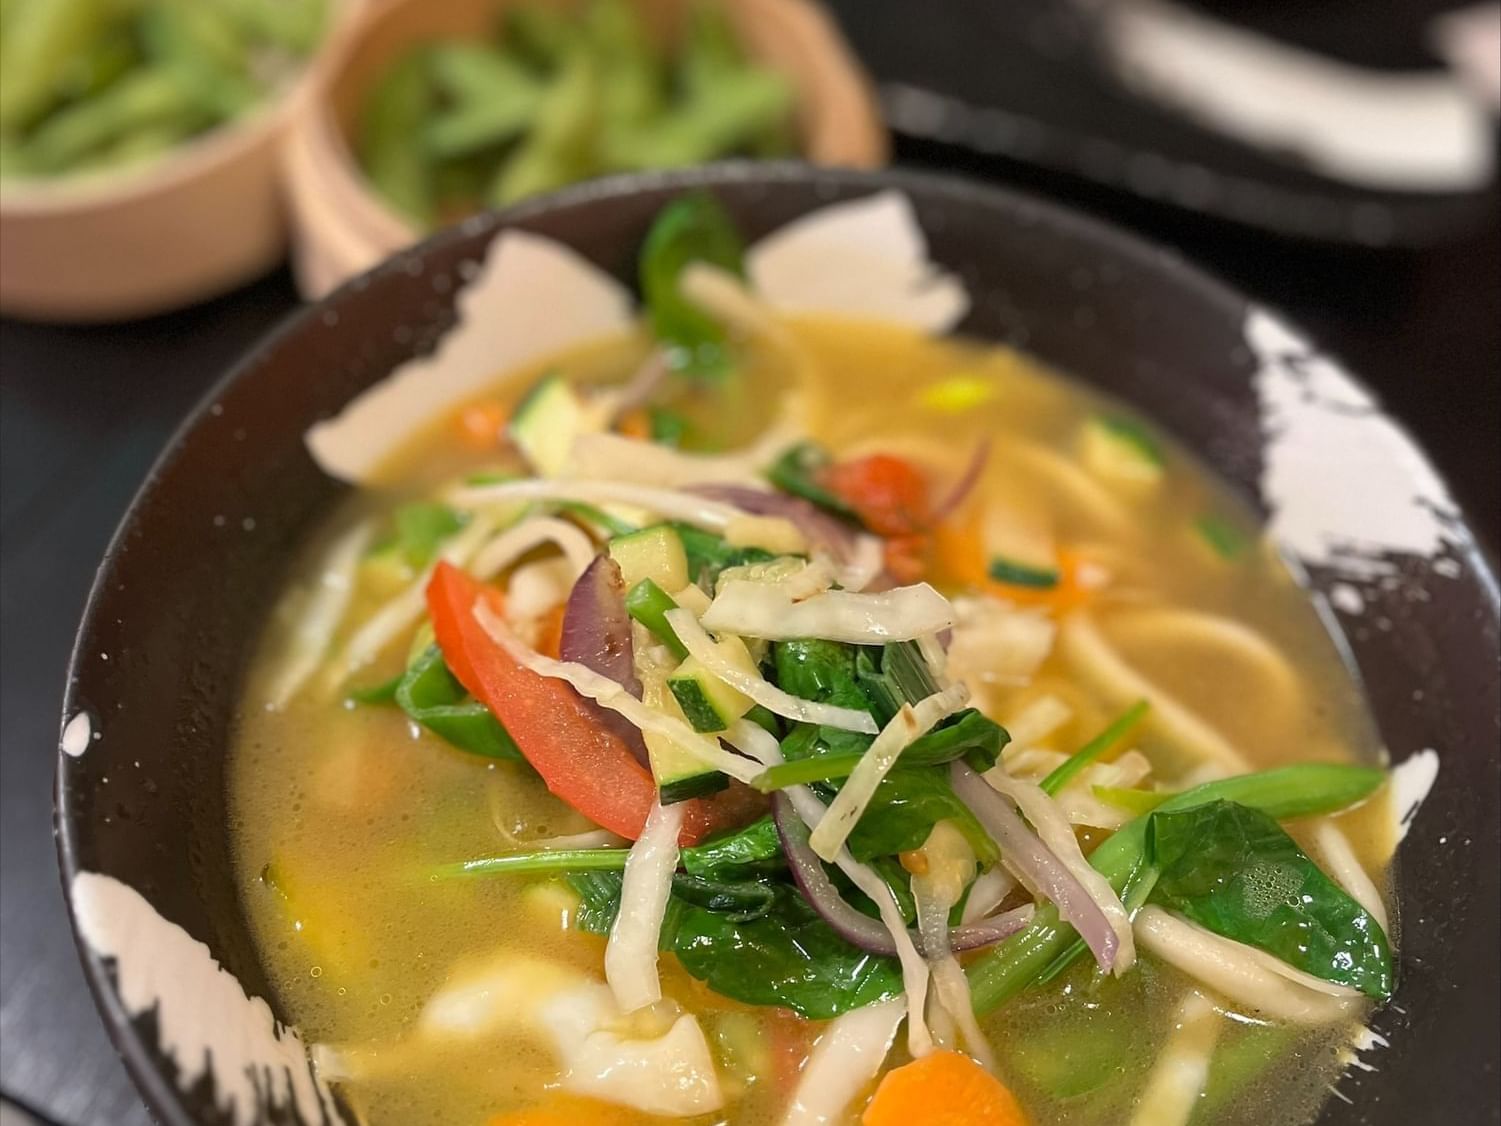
738 108
142 99
43 38
204 50
1287 792
393 116
559 148
491 98
295 25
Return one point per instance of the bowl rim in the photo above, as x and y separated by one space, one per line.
164 1099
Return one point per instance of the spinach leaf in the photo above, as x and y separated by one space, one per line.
787 957
599 892
967 734
797 472
752 850
692 228
432 695
906 805
1234 870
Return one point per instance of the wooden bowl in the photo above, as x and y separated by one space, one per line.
342 227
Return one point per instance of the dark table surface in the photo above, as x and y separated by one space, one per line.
84 410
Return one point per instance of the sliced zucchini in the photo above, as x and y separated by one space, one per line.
1120 450
654 553
548 420
708 702
680 774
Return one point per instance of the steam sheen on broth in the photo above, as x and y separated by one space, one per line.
343 811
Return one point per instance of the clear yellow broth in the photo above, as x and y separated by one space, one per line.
338 811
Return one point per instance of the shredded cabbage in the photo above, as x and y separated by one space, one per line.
845 1059
910 723
506 548
631 953
758 610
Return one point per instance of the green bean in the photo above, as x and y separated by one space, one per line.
1287 792
540 35
43 38
388 133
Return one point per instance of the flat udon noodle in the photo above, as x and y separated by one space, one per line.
1091 655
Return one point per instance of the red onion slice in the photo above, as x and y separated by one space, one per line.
966 483
853 926
597 635
820 529
1036 863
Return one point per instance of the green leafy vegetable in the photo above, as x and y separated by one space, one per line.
754 850
422 527
1287 792
394 113
905 807
1134 435
788 957
692 228
432 695
798 471
668 428
893 675
546 860
1114 733
1234 871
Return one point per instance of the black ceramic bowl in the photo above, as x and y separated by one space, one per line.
189 577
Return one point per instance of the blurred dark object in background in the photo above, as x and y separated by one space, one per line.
1031 83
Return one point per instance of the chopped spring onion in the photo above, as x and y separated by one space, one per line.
819 768
757 610
910 723
1131 800
649 604
536 860
1093 749
669 503
608 694
1008 571
701 646
1224 538
845 1060
631 953
1121 449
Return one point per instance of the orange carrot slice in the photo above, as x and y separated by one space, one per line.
943 1089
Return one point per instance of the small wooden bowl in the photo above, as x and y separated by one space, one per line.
342 226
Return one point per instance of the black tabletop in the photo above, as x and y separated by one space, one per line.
84 410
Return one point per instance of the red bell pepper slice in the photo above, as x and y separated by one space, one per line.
888 494
584 764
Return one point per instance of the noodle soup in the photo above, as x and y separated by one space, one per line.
829 724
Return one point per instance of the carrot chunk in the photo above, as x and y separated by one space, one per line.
943 1089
